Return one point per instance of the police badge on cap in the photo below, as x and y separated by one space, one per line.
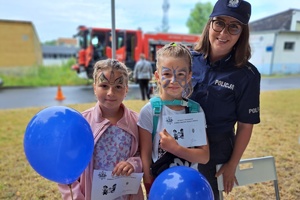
238 9
234 3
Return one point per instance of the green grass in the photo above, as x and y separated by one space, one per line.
280 75
277 135
37 76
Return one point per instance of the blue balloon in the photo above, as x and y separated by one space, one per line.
59 144
181 182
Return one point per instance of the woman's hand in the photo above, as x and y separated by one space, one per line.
123 168
229 178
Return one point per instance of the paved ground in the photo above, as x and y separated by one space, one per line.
45 96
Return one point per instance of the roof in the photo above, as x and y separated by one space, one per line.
280 21
15 21
67 41
48 49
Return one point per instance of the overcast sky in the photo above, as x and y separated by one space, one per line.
60 18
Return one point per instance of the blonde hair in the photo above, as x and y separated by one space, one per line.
176 50
110 64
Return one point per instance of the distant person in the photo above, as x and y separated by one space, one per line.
142 75
99 50
115 131
227 86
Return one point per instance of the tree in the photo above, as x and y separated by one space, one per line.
198 17
50 42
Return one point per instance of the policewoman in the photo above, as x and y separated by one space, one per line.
227 86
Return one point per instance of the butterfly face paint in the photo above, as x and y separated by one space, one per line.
111 80
169 75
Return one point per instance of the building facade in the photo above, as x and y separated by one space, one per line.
19 44
54 55
275 43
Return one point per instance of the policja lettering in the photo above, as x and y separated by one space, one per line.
253 110
224 84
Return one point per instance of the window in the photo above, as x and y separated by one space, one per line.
298 26
25 37
289 45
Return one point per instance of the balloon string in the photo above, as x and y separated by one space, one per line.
70 186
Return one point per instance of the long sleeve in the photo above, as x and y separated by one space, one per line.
136 162
76 190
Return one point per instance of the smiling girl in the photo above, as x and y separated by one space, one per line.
114 129
173 77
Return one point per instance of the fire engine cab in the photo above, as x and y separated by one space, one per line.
95 44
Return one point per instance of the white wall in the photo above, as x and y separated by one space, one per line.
262 50
295 23
54 61
287 61
269 55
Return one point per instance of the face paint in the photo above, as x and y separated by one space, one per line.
102 78
174 75
111 80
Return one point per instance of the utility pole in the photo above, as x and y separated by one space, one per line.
165 24
113 29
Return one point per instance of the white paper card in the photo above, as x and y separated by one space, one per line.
108 187
187 129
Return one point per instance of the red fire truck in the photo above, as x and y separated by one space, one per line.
95 44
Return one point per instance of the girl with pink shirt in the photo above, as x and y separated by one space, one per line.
115 132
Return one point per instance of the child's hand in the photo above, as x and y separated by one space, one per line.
167 142
123 168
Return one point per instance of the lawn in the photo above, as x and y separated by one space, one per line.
37 76
277 135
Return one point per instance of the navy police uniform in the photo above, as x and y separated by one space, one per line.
227 94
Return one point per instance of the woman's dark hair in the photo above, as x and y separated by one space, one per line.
242 49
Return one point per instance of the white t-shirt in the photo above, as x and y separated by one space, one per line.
146 122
